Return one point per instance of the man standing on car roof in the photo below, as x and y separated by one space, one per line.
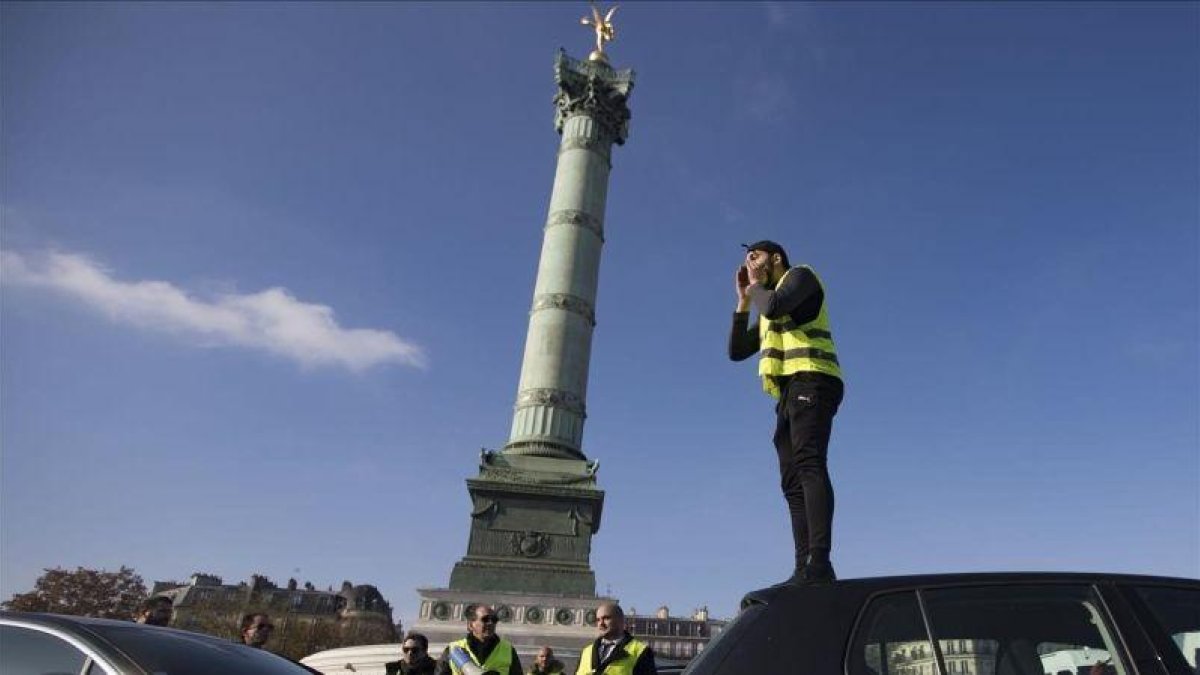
799 368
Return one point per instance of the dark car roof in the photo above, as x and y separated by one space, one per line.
974 577
870 585
807 627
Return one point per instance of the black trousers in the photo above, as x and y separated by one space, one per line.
803 424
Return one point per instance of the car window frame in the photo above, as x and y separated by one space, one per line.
1142 614
1125 654
856 627
92 656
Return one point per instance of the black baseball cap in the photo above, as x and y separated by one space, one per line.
766 245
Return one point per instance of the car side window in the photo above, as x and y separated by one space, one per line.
32 652
1178 613
1023 630
891 639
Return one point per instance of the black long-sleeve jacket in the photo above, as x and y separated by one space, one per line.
799 296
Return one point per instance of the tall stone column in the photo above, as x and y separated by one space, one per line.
535 504
592 115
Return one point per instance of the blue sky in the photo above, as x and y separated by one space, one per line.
267 270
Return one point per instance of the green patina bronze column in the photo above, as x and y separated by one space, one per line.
592 115
535 502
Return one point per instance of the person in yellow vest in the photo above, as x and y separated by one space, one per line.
492 653
799 367
615 652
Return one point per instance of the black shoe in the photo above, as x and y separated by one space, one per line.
817 572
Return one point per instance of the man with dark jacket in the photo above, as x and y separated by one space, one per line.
414 657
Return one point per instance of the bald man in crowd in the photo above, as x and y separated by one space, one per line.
615 651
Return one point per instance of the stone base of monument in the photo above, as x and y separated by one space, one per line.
527 620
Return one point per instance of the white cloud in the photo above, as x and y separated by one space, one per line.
272 320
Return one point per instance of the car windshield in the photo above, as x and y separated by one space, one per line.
176 652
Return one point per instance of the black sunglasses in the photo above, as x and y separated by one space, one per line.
409 650
489 619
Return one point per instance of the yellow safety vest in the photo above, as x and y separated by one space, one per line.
622 666
500 660
787 348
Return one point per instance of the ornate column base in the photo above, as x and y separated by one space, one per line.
530 537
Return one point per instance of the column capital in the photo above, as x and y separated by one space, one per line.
595 89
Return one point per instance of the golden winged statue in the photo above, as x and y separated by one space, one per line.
605 31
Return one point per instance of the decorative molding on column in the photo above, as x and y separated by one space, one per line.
553 398
595 89
567 302
599 145
582 143
573 217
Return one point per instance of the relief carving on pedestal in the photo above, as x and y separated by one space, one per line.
530 544
577 518
486 509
